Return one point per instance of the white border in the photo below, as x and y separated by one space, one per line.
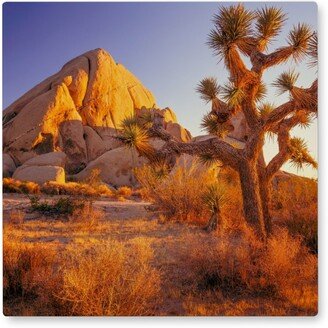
321 320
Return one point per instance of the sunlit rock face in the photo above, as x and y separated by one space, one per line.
78 111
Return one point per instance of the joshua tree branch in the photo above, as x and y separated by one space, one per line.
283 142
279 114
215 147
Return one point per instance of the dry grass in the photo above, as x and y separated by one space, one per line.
124 191
16 217
179 193
280 272
105 278
76 189
110 279
24 187
295 206
29 273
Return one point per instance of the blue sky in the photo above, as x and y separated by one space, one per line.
163 44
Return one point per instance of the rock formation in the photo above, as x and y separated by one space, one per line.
78 112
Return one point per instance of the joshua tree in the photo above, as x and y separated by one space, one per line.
240 31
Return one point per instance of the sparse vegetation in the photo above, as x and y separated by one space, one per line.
15 186
96 279
63 206
283 270
110 279
178 194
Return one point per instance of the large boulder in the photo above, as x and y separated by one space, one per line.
116 167
57 158
8 166
91 89
177 131
40 174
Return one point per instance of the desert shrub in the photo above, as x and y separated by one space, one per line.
15 186
244 266
183 193
110 279
294 203
76 189
124 191
94 179
303 225
62 206
178 193
28 273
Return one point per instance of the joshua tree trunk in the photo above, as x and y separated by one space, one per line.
252 202
265 194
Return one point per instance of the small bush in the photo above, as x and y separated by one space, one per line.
28 273
109 280
62 206
124 191
76 189
15 186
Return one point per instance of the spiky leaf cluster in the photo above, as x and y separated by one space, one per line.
286 81
300 154
211 125
232 95
134 135
208 88
298 39
208 160
312 51
214 197
233 26
261 92
304 118
265 109
269 21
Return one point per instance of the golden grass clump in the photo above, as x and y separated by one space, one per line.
15 186
29 274
124 191
110 280
99 278
76 189
178 193
244 267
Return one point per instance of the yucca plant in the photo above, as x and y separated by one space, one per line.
286 81
214 198
212 125
312 51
